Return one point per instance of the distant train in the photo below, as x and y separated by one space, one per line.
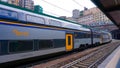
26 34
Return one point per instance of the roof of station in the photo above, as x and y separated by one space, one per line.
111 8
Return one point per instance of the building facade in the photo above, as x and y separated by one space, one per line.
76 13
93 17
29 4
97 17
86 19
14 2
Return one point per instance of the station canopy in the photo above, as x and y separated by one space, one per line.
111 8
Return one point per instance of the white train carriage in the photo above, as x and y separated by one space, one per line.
106 37
26 34
36 34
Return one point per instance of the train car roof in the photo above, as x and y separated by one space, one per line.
25 9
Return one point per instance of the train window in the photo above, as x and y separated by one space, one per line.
20 45
69 40
59 43
4 46
79 35
4 13
88 35
0 48
96 36
35 19
83 35
44 44
55 23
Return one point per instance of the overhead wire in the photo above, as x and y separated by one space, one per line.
78 3
52 13
60 7
57 6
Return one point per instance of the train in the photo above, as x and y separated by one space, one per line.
25 34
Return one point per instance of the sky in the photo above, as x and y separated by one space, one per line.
63 7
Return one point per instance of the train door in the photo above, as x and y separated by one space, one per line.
69 42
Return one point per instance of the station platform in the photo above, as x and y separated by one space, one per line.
113 60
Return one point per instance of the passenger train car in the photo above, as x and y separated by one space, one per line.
25 34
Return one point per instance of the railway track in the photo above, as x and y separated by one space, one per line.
89 58
93 59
